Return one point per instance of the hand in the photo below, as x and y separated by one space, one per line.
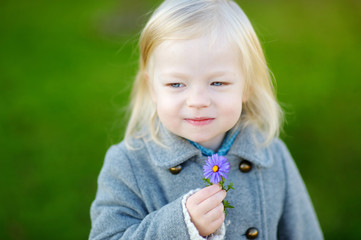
206 209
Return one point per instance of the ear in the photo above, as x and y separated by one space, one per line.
150 87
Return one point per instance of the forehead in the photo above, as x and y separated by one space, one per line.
210 42
196 53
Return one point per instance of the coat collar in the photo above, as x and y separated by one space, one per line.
178 150
245 147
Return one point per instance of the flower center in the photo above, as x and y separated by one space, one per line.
215 168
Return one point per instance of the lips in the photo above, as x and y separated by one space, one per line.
199 121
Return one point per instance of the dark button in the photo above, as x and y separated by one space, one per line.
175 170
245 166
252 233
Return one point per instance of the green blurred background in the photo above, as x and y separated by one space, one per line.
66 69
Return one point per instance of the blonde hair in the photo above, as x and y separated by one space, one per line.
188 19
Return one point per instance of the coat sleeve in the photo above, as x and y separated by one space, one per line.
298 220
119 212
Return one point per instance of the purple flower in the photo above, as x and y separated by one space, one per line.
216 167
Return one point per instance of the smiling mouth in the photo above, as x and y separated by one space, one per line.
199 121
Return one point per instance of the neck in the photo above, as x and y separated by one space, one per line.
214 144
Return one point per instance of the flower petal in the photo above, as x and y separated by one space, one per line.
223 168
217 178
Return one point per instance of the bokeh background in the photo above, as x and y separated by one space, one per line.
66 69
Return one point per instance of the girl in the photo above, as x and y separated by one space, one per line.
203 87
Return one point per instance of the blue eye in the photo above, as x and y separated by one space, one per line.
217 84
176 85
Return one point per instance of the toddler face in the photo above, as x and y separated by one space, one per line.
198 88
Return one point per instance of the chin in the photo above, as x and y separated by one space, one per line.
199 139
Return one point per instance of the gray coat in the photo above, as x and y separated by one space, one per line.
138 196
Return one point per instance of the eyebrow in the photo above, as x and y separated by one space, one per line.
184 75
174 74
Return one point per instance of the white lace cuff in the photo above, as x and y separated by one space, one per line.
192 230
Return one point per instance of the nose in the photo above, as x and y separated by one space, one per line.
198 97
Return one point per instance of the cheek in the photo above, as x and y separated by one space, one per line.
167 101
166 108
233 112
232 107
168 115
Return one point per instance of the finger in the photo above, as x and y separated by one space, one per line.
213 201
205 193
217 222
215 213
210 203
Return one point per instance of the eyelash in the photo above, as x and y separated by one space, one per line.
178 85
218 84
175 85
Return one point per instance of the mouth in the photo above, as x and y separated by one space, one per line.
199 121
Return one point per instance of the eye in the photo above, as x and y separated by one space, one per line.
175 85
217 83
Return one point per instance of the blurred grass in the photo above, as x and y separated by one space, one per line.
65 74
